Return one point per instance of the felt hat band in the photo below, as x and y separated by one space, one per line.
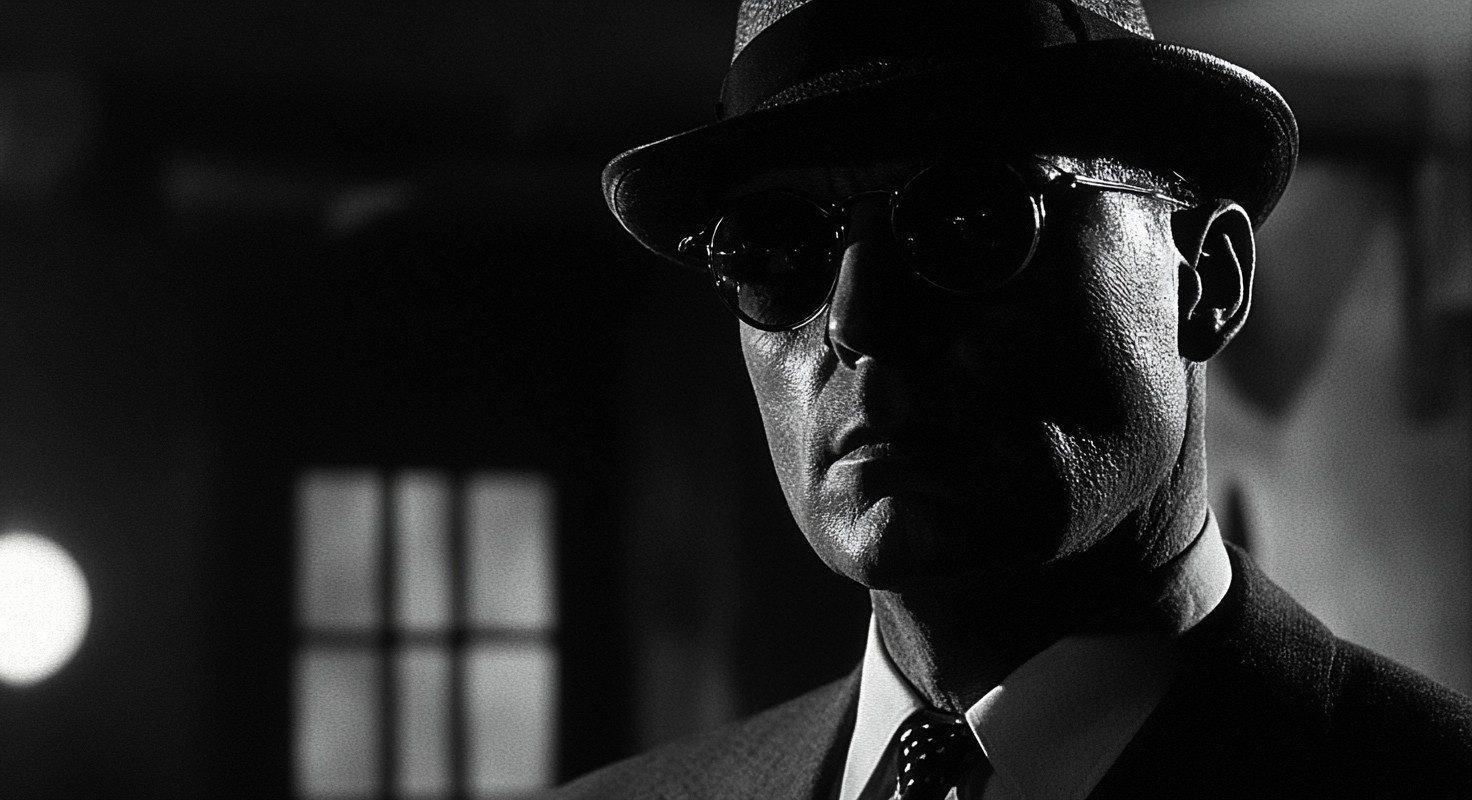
826 39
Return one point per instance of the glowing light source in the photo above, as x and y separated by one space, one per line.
44 608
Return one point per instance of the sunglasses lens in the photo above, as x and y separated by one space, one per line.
773 259
968 230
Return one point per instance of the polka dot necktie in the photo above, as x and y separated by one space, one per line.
933 752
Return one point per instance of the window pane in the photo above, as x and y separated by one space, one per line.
337 724
509 533
511 711
422 544
338 524
424 712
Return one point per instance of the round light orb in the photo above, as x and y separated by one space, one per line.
44 608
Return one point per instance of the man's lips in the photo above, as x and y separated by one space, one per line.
875 451
865 444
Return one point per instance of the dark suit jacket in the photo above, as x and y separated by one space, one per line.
1271 704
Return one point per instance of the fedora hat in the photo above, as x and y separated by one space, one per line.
815 81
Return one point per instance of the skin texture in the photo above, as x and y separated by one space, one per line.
1031 456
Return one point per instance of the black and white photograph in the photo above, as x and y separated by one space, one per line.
722 399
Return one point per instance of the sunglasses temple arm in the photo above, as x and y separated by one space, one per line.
1070 180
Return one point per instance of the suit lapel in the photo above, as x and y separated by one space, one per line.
806 761
792 752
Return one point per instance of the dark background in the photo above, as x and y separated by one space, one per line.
237 238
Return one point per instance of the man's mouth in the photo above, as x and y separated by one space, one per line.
867 444
874 451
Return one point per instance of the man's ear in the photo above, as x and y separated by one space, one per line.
1216 245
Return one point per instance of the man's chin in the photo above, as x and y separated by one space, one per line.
895 545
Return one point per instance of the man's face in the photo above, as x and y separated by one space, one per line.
920 435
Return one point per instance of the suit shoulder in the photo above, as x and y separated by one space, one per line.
1411 725
787 743
1271 704
1369 685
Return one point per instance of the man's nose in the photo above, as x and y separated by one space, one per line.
874 306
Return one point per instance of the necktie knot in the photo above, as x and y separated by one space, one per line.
934 751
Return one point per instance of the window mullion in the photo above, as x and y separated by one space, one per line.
459 590
389 643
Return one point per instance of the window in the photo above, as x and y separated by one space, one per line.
426 666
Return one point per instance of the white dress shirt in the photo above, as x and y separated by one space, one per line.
1054 725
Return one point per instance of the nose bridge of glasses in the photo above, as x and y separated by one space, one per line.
873 288
845 206
868 258
846 213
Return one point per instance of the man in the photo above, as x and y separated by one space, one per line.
982 253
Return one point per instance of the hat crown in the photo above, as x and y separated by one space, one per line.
793 50
756 16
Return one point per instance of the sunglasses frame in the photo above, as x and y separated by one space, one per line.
837 214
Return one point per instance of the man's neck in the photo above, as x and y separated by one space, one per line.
958 640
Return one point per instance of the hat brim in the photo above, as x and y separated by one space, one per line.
1160 105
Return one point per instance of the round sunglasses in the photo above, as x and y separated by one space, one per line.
775 255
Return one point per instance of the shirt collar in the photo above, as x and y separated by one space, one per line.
1055 725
